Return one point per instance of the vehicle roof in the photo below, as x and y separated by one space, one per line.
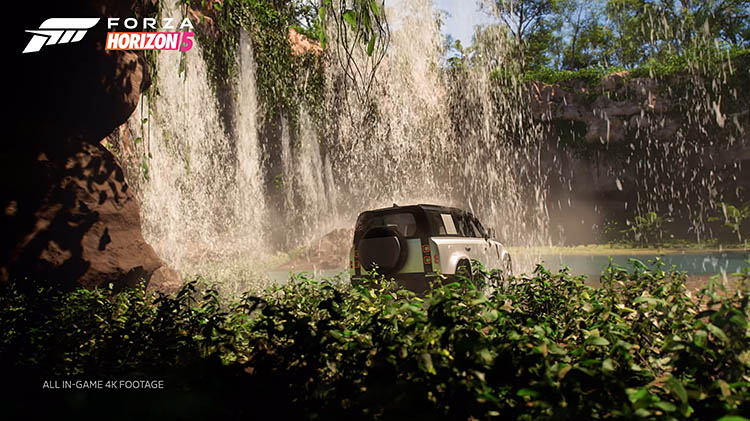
420 206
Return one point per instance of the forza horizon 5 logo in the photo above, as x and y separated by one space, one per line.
55 31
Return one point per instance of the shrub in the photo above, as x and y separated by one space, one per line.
540 346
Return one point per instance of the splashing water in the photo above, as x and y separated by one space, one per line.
215 197
200 190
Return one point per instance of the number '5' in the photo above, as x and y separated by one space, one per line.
186 43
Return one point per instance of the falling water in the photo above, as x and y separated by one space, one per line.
422 136
201 183
200 190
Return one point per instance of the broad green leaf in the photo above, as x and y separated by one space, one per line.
665 406
374 7
739 321
700 338
677 389
350 16
716 331
555 349
527 392
635 395
427 363
371 44
563 371
597 341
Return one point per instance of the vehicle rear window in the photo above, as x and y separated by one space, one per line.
404 222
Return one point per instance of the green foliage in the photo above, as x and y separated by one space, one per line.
733 217
544 346
366 21
646 229
584 39
652 37
591 75
531 26
278 72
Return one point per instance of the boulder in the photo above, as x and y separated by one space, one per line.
545 98
165 281
70 219
302 45
642 87
607 107
605 130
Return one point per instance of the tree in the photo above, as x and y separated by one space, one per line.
733 217
531 26
362 33
627 19
649 28
709 19
585 39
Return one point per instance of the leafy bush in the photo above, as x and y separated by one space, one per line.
591 75
647 229
544 346
733 217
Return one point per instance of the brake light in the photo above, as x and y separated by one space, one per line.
354 262
427 260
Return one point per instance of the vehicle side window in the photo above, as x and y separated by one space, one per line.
465 226
449 222
479 228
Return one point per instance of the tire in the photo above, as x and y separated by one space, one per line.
383 248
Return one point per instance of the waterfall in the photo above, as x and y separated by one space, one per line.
204 187
222 188
199 182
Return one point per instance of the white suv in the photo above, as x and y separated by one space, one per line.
415 244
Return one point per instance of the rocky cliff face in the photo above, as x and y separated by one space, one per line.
67 214
626 145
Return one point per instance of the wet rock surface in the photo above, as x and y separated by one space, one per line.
615 142
68 217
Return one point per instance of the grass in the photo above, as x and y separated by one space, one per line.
540 346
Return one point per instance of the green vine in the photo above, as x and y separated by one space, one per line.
284 80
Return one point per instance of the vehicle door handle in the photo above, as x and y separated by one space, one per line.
467 248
